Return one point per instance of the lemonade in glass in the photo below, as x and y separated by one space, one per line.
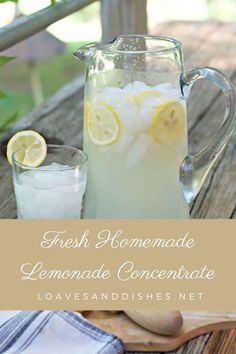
49 180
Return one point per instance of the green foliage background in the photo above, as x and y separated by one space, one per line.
6 118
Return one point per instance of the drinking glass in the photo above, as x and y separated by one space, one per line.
53 190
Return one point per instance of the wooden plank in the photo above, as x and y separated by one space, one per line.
205 104
205 93
222 342
194 346
136 338
184 31
120 17
218 195
51 109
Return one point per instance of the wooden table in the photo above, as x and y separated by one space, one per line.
60 121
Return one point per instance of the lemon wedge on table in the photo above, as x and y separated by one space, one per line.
141 96
168 122
104 124
31 147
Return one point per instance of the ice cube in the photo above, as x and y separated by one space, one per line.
164 87
49 176
174 94
53 166
125 141
131 120
50 193
168 90
138 149
136 87
146 114
113 96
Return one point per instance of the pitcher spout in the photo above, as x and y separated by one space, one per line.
86 53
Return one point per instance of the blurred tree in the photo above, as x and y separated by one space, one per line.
2 1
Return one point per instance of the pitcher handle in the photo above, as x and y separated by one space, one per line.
194 168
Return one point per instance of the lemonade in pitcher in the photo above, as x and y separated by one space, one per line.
135 128
136 139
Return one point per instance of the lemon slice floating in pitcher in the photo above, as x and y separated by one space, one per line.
168 122
141 96
104 125
31 146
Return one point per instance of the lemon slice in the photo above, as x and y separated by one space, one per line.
146 94
31 147
137 99
168 122
104 125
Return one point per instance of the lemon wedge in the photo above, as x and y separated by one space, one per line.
31 147
104 125
138 99
168 122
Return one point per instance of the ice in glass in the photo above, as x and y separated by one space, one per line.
55 189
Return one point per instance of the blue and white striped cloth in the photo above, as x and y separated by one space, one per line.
55 332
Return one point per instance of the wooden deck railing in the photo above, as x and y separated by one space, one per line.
117 16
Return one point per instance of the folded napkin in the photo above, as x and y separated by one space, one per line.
55 332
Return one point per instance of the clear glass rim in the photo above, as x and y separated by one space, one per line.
51 146
176 44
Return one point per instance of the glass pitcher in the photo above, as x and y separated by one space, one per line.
135 128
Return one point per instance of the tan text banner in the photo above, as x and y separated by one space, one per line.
118 264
